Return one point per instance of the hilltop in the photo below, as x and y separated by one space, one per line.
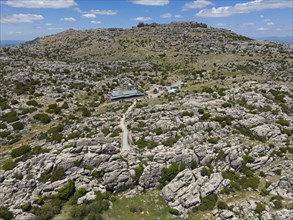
218 147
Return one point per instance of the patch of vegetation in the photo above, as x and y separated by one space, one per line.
186 113
282 122
66 191
170 141
10 117
5 214
169 173
24 149
206 171
207 203
260 208
43 118
222 205
205 117
142 143
17 126
138 172
9 165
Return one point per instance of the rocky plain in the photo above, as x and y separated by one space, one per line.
220 147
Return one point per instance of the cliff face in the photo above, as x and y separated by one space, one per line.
222 141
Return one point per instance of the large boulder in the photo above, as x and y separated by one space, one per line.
150 175
188 187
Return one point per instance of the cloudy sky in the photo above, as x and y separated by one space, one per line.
28 19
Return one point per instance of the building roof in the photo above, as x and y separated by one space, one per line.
117 94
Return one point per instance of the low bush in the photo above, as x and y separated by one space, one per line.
5 214
66 191
173 211
260 208
9 165
17 126
222 205
20 151
282 122
26 207
50 208
207 203
43 118
138 172
168 173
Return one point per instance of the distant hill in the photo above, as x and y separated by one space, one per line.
9 43
288 40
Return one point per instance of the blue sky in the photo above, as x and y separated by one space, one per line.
28 19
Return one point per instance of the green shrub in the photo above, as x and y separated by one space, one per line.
86 113
10 117
9 165
20 151
213 140
3 126
222 205
138 172
278 171
193 164
260 208
18 126
170 141
158 131
33 103
43 118
226 105
200 111
57 174
206 171
40 200
4 134
205 117
186 113
26 207
73 135
50 208
278 204
168 173
66 191
18 176
207 203
283 122
173 211
5 214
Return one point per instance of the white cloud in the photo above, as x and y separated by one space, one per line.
141 19
266 20
40 3
178 16
243 8
71 19
196 4
54 29
104 12
270 23
166 15
262 29
96 22
151 2
89 15
21 18
48 24
261 16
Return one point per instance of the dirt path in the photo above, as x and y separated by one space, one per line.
125 144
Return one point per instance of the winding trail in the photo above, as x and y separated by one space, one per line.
125 144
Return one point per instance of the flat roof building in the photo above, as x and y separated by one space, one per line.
123 94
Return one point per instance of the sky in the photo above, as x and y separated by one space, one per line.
29 19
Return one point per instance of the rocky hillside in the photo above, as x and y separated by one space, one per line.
220 147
